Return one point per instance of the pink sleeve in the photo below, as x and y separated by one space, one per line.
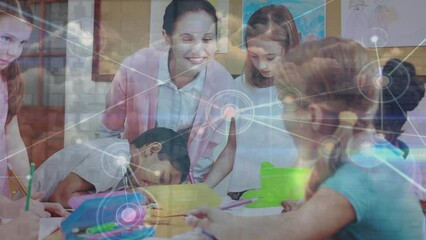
115 108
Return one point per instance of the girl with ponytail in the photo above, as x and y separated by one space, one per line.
329 90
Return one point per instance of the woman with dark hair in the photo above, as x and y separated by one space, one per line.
173 88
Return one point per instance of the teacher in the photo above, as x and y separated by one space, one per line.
176 88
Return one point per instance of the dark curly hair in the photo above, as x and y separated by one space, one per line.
173 148
401 95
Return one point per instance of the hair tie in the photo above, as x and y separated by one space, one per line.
348 117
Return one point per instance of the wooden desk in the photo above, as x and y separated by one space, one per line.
172 199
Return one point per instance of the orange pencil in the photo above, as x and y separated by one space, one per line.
21 185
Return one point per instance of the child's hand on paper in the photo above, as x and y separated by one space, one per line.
12 209
214 223
55 209
25 226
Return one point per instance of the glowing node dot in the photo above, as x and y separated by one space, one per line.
28 177
128 215
229 112
382 81
200 131
381 134
78 141
329 146
157 173
121 160
374 39
288 100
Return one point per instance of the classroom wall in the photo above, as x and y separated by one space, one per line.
84 98
127 24
417 57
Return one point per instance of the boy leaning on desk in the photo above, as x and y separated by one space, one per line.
158 156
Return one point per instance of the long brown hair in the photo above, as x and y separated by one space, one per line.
15 84
275 23
335 73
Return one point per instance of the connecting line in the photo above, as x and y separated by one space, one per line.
403 175
48 137
99 150
121 65
126 187
378 59
134 176
408 119
259 106
409 55
381 75
279 129
381 107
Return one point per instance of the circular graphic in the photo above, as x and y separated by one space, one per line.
227 104
230 111
290 99
375 38
128 216
383 81
115 159
330 146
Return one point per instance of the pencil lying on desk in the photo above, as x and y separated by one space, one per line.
225 207
21 185
238 203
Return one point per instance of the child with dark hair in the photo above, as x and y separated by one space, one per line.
402 93
157 156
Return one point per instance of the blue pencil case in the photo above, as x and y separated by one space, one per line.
109 217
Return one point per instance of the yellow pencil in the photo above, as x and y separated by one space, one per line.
21 185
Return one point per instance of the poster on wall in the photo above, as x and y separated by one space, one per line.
158 6
308 14
384 22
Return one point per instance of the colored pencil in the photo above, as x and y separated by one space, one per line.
225 207
239 203
21 185
30 183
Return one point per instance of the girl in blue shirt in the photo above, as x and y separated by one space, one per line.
356 190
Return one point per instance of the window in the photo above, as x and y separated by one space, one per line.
43 65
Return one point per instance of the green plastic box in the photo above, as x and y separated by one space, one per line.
277 185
